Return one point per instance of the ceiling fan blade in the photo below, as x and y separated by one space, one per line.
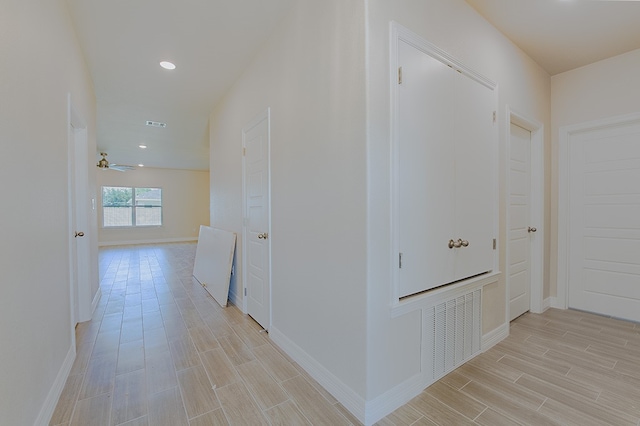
121 167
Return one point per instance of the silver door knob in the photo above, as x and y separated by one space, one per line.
263 236
78 234
531 229
458 244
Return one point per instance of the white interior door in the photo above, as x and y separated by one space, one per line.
256 238
475 205
520 227
426 188
444 178
80 207
604 221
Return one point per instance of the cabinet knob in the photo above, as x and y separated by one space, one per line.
531 229
263 236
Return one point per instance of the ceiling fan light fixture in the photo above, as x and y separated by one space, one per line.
103 163
168 65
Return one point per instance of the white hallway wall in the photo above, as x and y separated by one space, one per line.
600 90
40 63
311 74
326 80
185 204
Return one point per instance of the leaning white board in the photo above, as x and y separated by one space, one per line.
214 258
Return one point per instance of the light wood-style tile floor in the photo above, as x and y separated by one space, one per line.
160 351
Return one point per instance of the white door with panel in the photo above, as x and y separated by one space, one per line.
521 231
444 173
604 221
257 247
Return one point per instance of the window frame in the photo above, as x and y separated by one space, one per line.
133 206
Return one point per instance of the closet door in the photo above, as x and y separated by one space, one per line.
475 133
425 184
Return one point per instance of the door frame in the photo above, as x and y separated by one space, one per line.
564 213
536 208
79 289
264 115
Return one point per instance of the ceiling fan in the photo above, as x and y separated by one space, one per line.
104 164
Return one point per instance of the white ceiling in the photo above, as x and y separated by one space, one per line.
212 41
561 35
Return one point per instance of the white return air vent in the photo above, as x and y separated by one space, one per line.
156 124
451 334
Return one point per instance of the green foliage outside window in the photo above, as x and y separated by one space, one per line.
129 207
113 196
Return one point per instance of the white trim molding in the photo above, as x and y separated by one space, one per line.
495 336
158 241
353 402
96 300
367 412
49 405
394 398
236 299
441 294
550 302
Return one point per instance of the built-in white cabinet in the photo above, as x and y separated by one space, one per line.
444 170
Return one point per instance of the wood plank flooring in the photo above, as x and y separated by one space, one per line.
556 368
160 351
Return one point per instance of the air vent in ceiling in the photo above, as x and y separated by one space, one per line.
156 124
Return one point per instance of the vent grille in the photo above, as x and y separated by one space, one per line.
156 124
453 333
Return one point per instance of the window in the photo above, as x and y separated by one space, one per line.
124 206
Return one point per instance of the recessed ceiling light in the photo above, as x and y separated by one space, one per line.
140 165
142 146
167 65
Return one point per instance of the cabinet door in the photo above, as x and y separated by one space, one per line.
425 186
474 176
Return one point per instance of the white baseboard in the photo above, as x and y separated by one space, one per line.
96 300
235 299
553 303
154 241
546 303
50 402
495 336
347 397
385 404
368 412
